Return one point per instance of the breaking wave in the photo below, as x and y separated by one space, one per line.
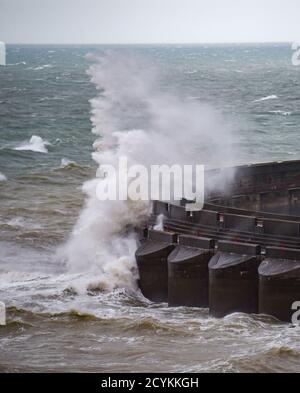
35 144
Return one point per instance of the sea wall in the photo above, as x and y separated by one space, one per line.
241 253
230 277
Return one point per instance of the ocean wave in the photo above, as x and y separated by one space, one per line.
35 144
40 67
55 98
71 313
67 164
20 222
281 113
2 177
16 325
11 278
144 325
279 358
17 64
191 72
24 313
271 97
194 98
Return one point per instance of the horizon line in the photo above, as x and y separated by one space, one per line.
150 43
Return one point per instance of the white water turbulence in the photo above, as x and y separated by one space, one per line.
35 144
132 116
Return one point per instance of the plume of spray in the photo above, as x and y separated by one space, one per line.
132 116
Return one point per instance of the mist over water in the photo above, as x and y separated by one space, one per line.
67 269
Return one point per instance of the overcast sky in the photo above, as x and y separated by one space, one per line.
149 21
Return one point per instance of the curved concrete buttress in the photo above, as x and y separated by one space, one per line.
233 279
188 272
279 283
151 258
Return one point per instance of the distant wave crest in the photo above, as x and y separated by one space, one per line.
281 113
42 67
17 64
272 97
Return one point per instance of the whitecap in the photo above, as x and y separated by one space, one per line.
282 113
20 222
36 144
40 67
2 177
17 64
194 98
65 163
191 72
55 98
271 97
17 222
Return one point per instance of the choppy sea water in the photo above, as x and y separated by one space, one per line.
65 319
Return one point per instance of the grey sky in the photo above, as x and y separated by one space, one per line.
148 21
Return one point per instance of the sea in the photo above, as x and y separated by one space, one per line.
67 271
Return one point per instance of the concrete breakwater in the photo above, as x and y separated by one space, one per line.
241 253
